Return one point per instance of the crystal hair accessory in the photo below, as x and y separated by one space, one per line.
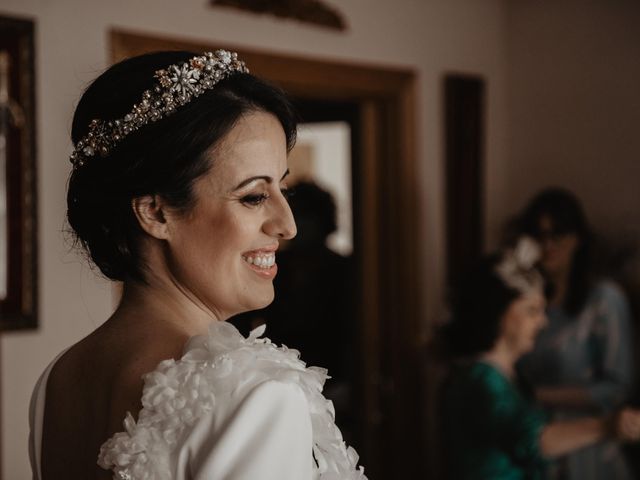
517 267
176 85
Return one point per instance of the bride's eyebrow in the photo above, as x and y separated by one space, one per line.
266 178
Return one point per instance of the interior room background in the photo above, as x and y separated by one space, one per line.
561 107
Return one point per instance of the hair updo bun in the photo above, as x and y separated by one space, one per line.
163 158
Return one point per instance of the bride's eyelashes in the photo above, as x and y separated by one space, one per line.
255 199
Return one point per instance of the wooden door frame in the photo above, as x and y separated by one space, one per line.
386 233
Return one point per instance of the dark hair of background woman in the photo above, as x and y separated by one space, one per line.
567 217
477 304
163 158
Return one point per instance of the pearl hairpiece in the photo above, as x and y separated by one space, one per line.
177 85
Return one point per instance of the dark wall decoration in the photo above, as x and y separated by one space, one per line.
309 11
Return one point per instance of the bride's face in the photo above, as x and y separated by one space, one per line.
222 253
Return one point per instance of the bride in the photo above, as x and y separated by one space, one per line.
178 190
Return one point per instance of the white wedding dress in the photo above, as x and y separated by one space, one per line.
232 408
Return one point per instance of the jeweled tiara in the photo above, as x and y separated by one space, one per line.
177 85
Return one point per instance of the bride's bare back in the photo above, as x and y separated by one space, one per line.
90 390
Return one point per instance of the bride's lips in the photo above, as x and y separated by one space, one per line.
262 261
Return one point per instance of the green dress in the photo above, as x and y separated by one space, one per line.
491 427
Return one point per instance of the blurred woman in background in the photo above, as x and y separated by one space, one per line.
582 362
492 428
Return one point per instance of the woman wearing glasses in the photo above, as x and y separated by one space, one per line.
582 361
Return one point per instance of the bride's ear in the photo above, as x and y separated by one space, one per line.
150 212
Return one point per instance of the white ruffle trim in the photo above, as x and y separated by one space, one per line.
177 393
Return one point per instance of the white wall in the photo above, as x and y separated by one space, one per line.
574 107
430 36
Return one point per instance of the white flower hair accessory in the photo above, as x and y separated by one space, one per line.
517 267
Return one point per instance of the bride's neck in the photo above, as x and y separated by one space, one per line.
163 305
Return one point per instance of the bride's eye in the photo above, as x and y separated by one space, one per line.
254 199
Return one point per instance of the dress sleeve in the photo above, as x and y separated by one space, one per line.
267 436
520 427
612 350
515 424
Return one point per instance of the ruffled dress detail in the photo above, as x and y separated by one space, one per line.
178 393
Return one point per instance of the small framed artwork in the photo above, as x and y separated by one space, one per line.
18 252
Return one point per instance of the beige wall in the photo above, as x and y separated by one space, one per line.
574 107
430 36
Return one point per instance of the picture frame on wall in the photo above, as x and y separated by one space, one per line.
18 225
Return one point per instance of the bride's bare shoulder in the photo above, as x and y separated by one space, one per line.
90 390
108 366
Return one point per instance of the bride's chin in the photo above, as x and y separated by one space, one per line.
260 299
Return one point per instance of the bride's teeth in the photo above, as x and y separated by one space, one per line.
265 262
